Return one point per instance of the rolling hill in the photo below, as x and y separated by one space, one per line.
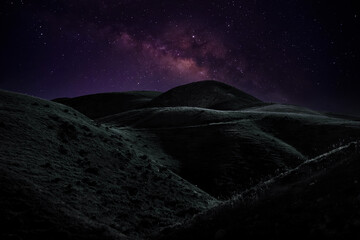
64 176
317 199
200 161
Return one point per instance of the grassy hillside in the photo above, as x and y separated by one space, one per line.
63 173
318 199
224 152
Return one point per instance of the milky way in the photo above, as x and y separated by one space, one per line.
279 51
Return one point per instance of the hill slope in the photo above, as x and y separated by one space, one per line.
224 152
64 176
318 199
242 167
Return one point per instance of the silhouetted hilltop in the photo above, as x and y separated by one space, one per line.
205 94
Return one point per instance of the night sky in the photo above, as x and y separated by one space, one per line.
289 51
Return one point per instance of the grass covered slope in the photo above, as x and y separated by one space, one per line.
222 152
64 176
104 104
319 198
228 151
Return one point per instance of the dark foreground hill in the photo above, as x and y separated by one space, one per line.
175 166
64 176
320 199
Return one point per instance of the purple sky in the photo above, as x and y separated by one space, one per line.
296 52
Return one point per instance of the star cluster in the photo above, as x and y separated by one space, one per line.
294 52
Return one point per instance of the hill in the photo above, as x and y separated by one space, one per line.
201 161
226 152
64 176
205 94
317 199
104 104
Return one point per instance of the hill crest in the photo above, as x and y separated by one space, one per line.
205 94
